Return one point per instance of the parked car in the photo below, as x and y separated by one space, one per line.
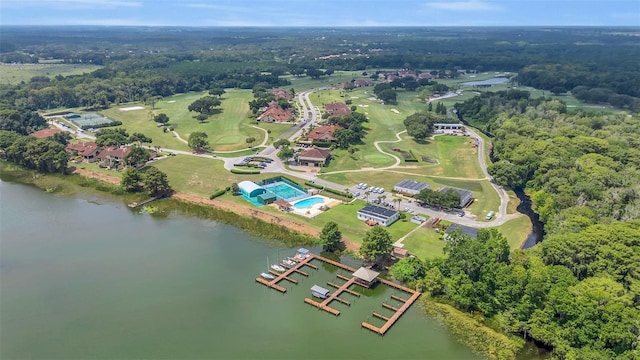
489 215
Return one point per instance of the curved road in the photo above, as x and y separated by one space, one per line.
310 115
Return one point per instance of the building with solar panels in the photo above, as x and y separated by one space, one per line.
410 187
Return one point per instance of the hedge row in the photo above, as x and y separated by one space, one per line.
289 179
314 185
97 126
236 171
338 192
323 144
217 194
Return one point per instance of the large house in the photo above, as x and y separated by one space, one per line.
113 156
337 109
323 133
378 214
88 151
276 114
314 157
281 93
410 187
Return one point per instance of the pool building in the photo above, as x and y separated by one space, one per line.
271 190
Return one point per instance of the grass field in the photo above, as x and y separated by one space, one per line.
15 73
227 130
425 243
516 231
305 83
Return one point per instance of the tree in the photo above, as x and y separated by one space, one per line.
198 141
139 138
112 137
376 243
420 125
388 96
280 143
155 181
235 189
137 155
131 179
250 140
285 153
331 237
161 118
408 269
205 106
218 92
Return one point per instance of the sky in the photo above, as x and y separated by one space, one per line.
331 13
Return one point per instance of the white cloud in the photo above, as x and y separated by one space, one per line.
70 4
470 5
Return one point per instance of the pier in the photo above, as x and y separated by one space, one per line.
349 281
285 275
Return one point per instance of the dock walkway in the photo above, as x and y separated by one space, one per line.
285 275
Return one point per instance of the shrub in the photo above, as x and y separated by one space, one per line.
236 171
217 194
313 185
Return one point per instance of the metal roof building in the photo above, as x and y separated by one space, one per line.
365 277
381 215
466 230
410 187
250 189
466 196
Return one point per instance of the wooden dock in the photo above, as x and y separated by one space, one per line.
285 275
324 305
390 321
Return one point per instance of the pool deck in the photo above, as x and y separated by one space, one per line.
324 305
314 210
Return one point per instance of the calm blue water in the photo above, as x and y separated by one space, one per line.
492 81
308 203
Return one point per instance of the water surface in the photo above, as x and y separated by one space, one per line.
88 278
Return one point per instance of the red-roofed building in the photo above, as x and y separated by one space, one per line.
113 155
88 151
276 114
281 93
45 133
314 157
323 133
337 109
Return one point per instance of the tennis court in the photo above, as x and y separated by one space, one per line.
89 120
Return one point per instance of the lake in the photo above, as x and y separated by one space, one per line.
86 277
492 81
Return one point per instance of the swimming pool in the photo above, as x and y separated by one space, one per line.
308 203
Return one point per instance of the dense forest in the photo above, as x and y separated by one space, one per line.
578 292
597 65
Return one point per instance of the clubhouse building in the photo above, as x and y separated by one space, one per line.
378 215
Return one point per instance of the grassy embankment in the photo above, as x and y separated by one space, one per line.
15 73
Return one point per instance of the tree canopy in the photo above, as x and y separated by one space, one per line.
331 236
198 141
376 243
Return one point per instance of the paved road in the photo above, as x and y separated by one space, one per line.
310 115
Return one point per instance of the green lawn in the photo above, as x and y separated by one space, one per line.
305 83
15 73
201 176
276 130
455 154
425 243
227 130
516 231
140 121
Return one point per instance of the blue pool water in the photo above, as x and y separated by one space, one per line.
308 202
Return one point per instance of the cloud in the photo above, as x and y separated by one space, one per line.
70 4
470 5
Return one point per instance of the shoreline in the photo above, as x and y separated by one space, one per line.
246 211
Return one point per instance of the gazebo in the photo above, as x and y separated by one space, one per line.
366 277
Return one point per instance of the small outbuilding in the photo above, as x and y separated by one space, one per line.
266 198
283 205
399 253
319 292
410 187
366 277
383 216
